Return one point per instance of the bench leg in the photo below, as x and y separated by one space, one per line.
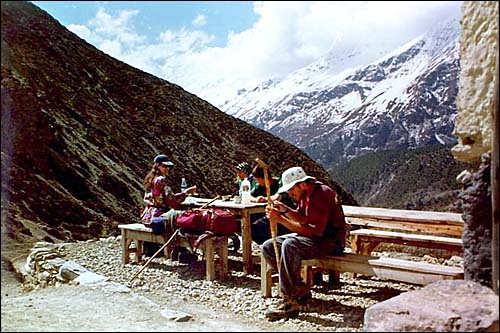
307 275
125 250
208 252
138 250
222 252
333 278
266 280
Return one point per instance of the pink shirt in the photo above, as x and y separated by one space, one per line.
162 198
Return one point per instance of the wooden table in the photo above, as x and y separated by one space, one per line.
423 229
238 209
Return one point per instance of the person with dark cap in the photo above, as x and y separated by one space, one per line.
244 170
159 197
318 228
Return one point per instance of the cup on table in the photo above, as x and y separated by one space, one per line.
237 199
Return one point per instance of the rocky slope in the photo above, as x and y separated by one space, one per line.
80 130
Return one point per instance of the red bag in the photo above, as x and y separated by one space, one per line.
191 220
221 221
217 220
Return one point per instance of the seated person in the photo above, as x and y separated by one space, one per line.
159 198
260 227
244 170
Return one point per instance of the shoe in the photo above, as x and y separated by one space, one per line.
289 308
234 243
302 300
187 257
303 294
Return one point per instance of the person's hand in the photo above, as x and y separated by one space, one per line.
260 198
272 213
279 206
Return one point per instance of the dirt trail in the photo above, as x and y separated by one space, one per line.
91 309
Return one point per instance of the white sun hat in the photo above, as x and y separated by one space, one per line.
291 177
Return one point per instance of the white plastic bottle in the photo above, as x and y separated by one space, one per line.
184 185
245 191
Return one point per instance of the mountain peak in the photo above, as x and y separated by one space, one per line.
359 99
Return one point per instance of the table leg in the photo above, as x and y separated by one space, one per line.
125 244
247 243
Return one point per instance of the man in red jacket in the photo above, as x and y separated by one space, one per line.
318 228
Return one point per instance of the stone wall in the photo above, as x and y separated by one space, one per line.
474 128
475 99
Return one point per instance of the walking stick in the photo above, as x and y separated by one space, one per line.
154 255
208 203
272 225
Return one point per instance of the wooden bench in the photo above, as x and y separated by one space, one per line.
372 226
138 233
389 268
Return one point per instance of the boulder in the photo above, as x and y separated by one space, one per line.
443 306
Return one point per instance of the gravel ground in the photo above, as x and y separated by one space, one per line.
234 304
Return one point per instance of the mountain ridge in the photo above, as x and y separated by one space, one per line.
419 179
80 130
405 99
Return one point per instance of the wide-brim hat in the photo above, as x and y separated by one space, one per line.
163 159
291 177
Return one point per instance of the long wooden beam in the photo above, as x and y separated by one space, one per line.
404 215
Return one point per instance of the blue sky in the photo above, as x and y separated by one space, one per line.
151 17
238 44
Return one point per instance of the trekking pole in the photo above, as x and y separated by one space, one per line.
154 255
272 225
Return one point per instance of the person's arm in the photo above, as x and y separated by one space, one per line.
174 200
148 199
289 218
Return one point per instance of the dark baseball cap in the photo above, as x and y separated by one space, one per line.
163 159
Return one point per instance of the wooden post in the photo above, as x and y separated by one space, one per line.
495 197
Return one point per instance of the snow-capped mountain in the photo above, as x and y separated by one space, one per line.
355 101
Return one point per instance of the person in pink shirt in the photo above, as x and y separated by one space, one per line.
318 228
159 198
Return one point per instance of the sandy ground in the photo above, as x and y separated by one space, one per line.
91 309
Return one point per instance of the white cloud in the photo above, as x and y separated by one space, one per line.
286 37
290 35
184 40
199 21
81 31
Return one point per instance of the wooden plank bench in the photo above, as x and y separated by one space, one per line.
425 229
389 268
138 233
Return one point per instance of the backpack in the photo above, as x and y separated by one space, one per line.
219 221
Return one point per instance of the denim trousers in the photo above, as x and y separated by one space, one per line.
292 249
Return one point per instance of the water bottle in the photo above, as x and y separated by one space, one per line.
184 185
245 191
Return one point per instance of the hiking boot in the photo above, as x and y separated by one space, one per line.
288 308
303 294
186 257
